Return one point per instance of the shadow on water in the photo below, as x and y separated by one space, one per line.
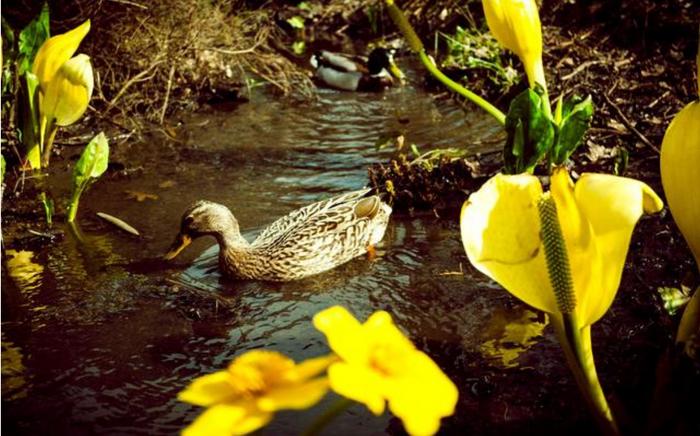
99 336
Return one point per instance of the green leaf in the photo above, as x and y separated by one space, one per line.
299 47
47 203
91 165
31 38
296 22
2 169
530 133
304 6
29 128
576 118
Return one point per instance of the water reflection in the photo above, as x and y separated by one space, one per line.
511 333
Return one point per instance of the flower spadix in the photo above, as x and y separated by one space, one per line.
378 363
516 25
558 251
680 173
244 397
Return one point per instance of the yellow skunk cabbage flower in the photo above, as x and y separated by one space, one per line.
56 51
516 25
680 173
379 363
244 397
68 92
505 227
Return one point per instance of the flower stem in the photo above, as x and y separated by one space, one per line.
416 45
327 416
578 349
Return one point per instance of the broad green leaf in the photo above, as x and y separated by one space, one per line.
91 165
93 162
30 128
296 22
31 38
576 118
530 133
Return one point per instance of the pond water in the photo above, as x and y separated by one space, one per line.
99 335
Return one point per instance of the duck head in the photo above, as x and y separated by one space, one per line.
383 59
201 219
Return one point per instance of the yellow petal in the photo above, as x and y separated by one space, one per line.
680 173
358 383
500 228
295 396
312 367
228 419
344 333
56 51
209 389
516 25
613 206
423 397
69 91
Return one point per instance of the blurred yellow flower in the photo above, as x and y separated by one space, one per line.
379 363
516 25
56 51
68 93
244 397
680 173
503 236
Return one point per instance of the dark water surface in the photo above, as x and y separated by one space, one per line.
99 336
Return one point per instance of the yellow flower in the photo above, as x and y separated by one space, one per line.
244 397
68 93
379 363
680 173
516 25
56 51
501 232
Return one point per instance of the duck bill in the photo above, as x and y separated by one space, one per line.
395 71
181 241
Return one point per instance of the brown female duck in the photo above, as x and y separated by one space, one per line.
307 241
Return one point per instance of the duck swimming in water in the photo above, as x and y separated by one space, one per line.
340 72
308 241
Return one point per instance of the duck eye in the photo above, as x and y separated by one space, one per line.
188 221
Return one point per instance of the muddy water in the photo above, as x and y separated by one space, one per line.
99 335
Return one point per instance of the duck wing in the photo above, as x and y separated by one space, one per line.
336 61
308 216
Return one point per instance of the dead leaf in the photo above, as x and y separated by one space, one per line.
166 184
140 196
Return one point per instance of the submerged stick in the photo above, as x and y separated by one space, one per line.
119 223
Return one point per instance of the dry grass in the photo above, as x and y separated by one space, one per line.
151 58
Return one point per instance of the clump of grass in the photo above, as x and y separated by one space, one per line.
468 48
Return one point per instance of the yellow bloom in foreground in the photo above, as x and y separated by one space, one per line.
244 397
69 91
516 25
501 226
680 173
379 363
56 51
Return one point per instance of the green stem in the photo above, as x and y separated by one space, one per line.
578 350
73 205
461 90
417 46
327 416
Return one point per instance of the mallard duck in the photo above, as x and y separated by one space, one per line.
341 72
308 241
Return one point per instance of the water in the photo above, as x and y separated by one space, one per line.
99 335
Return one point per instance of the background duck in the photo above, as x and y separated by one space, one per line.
341 72
307 241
